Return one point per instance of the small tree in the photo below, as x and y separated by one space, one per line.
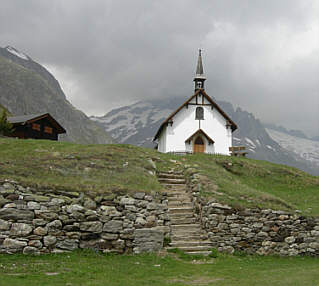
5 126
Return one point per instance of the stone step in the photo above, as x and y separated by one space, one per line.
180 210
181 215
204 253
184 227
171 181
180 204
173 193
193 248
190 237
175 186
178 196
184 220
170 176
182 243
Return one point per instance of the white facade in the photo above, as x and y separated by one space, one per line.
181 125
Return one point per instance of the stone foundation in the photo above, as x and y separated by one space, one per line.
46 221
255 230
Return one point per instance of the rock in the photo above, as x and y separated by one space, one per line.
30 250
20 229
54 226
39 222
314 245
109 236
113 226
127 201
46 215
3 201
13 243
290 239
139 196
219 206
33 206
4 225
110 211
49 240
41 231
75 208
14 214
35 243
152 206
89 204
68 244
147 240
151 221
140 221
37 198
226 249
94 226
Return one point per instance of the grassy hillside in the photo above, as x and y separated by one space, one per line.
124 168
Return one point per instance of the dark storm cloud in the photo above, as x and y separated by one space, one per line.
260 55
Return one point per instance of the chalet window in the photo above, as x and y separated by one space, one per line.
48 130
199 113
36 126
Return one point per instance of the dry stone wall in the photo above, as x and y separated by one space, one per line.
46 221
254 230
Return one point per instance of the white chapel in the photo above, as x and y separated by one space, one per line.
199 125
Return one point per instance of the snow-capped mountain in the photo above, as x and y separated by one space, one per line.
304 149
137 124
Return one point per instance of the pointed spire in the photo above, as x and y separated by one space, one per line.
199 77
199 69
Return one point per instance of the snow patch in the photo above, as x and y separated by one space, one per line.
250 142
17 53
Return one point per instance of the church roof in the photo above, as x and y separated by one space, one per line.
213 103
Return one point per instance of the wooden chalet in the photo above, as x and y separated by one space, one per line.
36 126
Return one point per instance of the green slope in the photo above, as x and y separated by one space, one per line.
107 169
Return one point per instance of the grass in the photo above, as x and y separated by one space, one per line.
90 268
74 167
109 169
244 182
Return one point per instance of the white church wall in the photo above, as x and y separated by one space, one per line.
185 125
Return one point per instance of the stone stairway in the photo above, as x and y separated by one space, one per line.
186 232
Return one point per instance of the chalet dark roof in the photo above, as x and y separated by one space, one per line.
213 103
200 131
26 119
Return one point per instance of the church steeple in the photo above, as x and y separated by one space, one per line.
199 78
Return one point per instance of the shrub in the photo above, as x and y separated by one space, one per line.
5 126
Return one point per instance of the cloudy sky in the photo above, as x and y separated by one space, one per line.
261 55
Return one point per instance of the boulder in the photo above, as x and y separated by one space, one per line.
14 214
4 225
20 229
14 243
91 226
113 226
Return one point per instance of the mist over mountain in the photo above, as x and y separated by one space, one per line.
26 87
137 124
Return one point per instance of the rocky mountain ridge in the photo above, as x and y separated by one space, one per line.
26 87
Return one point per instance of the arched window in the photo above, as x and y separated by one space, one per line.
199 113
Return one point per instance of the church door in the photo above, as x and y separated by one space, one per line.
199 145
